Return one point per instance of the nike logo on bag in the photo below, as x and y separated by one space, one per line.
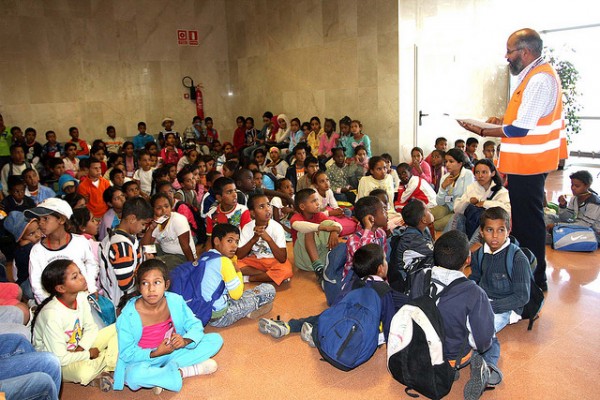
574 238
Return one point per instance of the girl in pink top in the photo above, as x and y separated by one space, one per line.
171 154
329 140
419 166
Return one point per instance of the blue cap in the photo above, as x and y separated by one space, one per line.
16 223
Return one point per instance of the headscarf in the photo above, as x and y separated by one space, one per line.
274 128
283 134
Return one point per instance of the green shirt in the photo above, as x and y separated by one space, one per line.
5 142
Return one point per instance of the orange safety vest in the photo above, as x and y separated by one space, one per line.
539 151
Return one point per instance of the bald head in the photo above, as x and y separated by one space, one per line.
529 39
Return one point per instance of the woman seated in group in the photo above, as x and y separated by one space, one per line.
171 233
453 184
487 191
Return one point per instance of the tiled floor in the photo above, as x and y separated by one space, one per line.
558 359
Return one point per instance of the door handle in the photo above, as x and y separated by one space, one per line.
421 115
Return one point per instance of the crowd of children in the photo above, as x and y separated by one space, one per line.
115 219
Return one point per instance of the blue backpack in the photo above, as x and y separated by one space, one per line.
332 273
348 333
186 280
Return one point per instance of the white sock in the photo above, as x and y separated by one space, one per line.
246 279
204 368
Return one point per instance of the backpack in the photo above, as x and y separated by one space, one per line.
186 280
401 278
333 272
532 309
415 350
348 333
200 230
106 275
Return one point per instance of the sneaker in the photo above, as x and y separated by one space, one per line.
495 375
306 334
260 311
157 390
319 274
480 375
275 328
207 367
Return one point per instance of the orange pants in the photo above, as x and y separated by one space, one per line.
277 271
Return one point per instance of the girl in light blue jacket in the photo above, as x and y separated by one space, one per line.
160 340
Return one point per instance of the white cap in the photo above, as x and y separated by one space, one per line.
50 206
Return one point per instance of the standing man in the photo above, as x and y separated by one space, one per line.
532 141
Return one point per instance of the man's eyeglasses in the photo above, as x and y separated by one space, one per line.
509 52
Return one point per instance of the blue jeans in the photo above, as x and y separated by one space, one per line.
492 356
251 300
25 373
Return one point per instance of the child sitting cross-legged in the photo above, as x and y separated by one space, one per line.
63 324
370 268
226 210
371 213
508 292
262 252
235 303
160 340
312 233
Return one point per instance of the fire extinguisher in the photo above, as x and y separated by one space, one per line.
199 102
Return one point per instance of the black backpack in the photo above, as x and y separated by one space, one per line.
415 348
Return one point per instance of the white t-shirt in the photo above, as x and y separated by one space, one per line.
168 238
261 248
145 179
78 250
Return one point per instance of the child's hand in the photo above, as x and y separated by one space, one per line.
333 239
177 341
562 200
94 353
368 221
337 212
163 348
474 200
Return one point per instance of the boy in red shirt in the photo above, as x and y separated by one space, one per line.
226 210
82 147
93 188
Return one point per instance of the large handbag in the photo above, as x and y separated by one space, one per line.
568 237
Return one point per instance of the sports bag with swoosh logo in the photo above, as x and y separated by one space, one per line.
573 238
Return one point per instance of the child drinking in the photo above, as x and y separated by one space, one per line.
161 340
63 324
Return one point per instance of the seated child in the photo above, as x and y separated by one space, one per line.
244 183
441 144
131 190
143 176
471 148
26 234
394 217
312 233
297 170
52 148
413 187
414 242
63 325
391 171
460 144
161 340
71 161
378 179
262 251
16 199
437 168
339 174
37 192
114 199
281 213
227 210
370 267
371 213
311 165
489 150
14 167
56 168
235 303
466 312
187 193
121 252
584 207
418 165
360 164
329 205
86 225
508 294
93 188
209 198
170 154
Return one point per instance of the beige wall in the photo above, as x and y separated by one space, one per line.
94 63
325 58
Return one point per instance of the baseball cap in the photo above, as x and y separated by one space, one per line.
67 184
16 223
50 206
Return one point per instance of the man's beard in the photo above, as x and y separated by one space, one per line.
516 66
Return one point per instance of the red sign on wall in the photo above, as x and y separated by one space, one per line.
193 38
182 37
